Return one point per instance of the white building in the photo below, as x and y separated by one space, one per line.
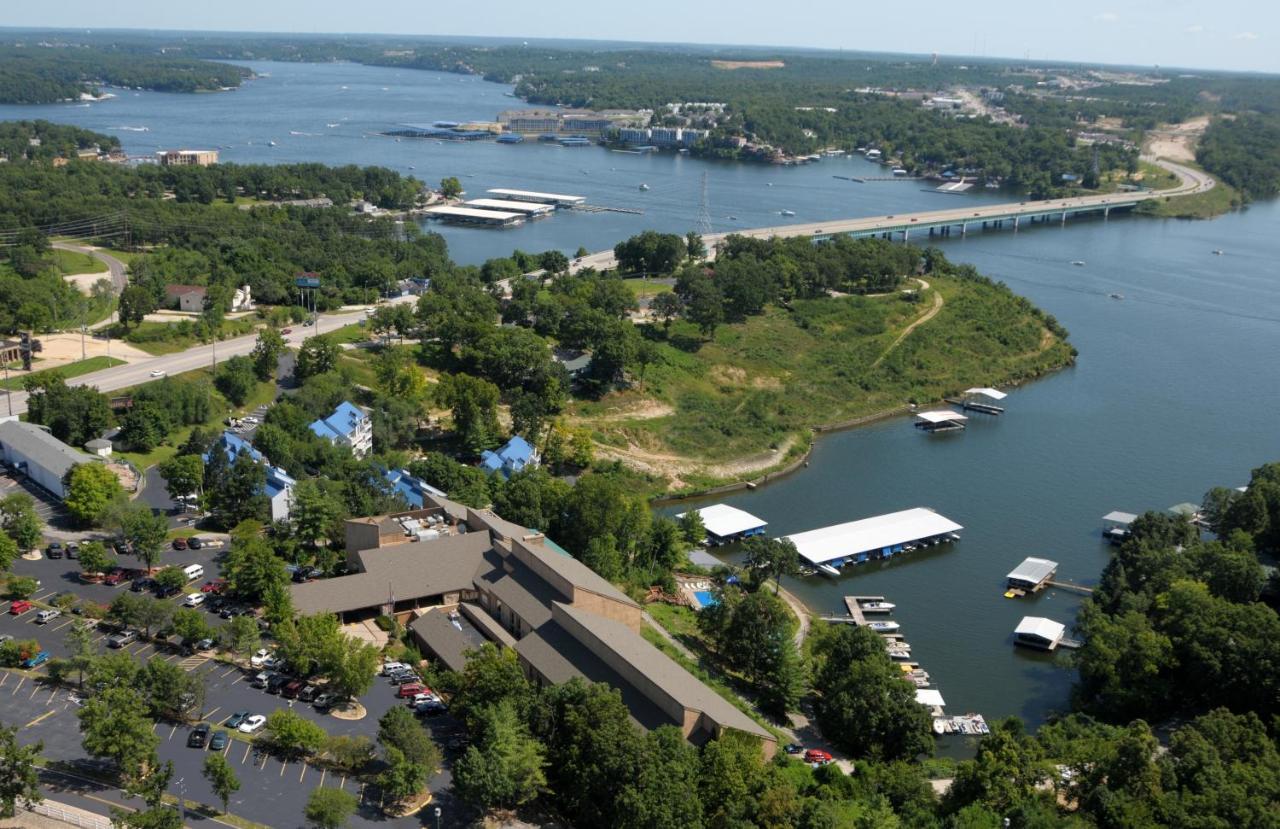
349 426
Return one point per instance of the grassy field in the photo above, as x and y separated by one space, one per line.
160 338
760 385
1221 199
69 370
644 287
73 261
353 333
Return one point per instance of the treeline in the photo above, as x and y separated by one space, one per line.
43 141
32 74
1244 151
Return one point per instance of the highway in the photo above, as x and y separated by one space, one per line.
1192 181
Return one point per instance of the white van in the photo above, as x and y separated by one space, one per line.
193 571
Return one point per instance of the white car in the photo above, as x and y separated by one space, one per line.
158 373
389 668
194 599
252 724
260 658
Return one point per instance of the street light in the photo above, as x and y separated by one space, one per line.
437 817
181 786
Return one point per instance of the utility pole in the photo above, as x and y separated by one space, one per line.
8 392
83 327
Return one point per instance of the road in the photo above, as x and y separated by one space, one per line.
119 277
201 356
1191 181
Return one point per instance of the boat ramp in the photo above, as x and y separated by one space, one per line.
873 539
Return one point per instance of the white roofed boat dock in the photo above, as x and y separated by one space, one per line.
469 215
509 206
878 537
724 523
980 400
940 420
558 199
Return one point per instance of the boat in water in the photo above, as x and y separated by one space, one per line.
882 606
787 212
883 627
644 187
1218 252
1079 263
1116 296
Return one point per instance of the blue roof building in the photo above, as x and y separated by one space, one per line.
349 426
510 459
409 488
279 485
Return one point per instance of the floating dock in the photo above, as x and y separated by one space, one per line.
941 420
1115 526
725 524
1032 575
531 209
472 216
876 538
1042 634
558 199
977 400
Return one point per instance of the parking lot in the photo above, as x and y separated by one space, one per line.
46 506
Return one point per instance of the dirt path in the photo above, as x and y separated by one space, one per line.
928 315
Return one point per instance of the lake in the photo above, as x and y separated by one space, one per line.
1176 389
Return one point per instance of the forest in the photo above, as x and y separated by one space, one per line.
31 74
1245 152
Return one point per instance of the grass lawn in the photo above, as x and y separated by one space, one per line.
353 333
160 338
762 383
69 370
73 261
1221 199
647 287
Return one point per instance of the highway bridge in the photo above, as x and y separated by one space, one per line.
957 221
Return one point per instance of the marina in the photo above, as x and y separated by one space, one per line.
472 216
941 420
1042 634
877 538
558 199
530 209
725 524
1031 576
978 400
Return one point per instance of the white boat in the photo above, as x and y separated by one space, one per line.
1116 296
271 143
787 212
884 627
1218 252
644 187
883 606
1079 263
828 570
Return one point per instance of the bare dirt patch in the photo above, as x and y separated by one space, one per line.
647 409
748 64
1177 142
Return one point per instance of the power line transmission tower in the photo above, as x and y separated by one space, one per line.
704 210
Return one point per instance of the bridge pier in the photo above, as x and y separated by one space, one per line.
1015 224
964 228
906 234
1064 218
1106 213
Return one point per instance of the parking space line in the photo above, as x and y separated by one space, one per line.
342 784
209 716
21 680
45 596
53 692
227 750
238 679
323 772
265 758
46 715
303 772
247 748
64 624
100 638
283 764
171 657
171 732
228 672
4 678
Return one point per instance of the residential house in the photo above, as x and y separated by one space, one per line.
349 426
510 459
185 297
279 485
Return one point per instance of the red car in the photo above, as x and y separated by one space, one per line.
179 544
114 577
817 755
410 689
287 331
215 586
19 607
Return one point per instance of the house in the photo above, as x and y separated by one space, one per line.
1039 632
99 446
279 485
349 426
242 299
463 577
31 450
510 459
412 490
185 297
187 158
575 362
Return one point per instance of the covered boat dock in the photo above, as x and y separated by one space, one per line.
1032 574
869 539
471 216
1115 526
557 199
725 524
940 420
1041 633
508 206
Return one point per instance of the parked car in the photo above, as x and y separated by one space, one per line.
194 543
122 639
252 724
142 584
213 586
19 607
179 543
198 736
260 657
292 689
54 551
235 719
166 592
405 679
44 617
261 679
114 577
793 748
408 690
818 756
324 700
194 599
430 708
73 550
36 661
277 682
219 740
389 668
308 693
231 610
158 373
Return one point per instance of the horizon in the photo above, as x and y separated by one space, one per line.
1143 34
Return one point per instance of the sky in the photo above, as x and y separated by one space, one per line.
1224 34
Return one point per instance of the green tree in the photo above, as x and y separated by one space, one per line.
160 816
190 625
153 614
771 558
80 640
145 531
293 735
329 808
74 414
114 726
316 356
170 691
183 475
222 778
664 788
351 666
490 677
19 773
135 303
399 729
692 528
473 402
266 354
316 512
21 587
401 779
19 520
236 379
697 249
8 552
90 489
450 187
95 558
503 767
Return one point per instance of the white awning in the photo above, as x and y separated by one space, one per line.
994 394
941 416
1117 517
1040 628
929 697
1033 570
878 532
723 520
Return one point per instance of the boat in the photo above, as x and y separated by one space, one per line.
1116 296
271 143
787 212
1218 252
331 126
644 187
884 627
1079 263
733 218
828 570
884 606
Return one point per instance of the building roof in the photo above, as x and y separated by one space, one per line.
941 416
576 573
449 635
661 670
704 559
536 196
471 213
98 443
1185 509
41 447
930 697
1041 628
522 590
173 291
723 520
344 420
994 394
1033 570
413 570
532 208
874 533
409 488
1118 517
515 454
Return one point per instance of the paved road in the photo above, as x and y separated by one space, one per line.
119 279
140 371
1192 181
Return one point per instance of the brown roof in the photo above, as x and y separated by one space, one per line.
414 570
575 572
522 590
178 290
449 641
660 669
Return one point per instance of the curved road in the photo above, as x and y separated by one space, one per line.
119 277
1191 181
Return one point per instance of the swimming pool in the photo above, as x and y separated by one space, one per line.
705 598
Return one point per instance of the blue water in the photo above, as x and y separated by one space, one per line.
705 598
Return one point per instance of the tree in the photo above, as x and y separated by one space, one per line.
19 520
135 303
144 427
400 730
666 306
316 356
240 635
754 634
222 778
266 354
190 626
252 567
772 558
161 816
95 559
664 788
170 691
154 614
503 767
80 639
554 262
183 475
145 531
236 379
696 247
74 414
292 734
704 306
692 528
473 402
450 187
316 512
21 587
19 773
90 489
490 677
329 808
114 725
351 667
239 494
